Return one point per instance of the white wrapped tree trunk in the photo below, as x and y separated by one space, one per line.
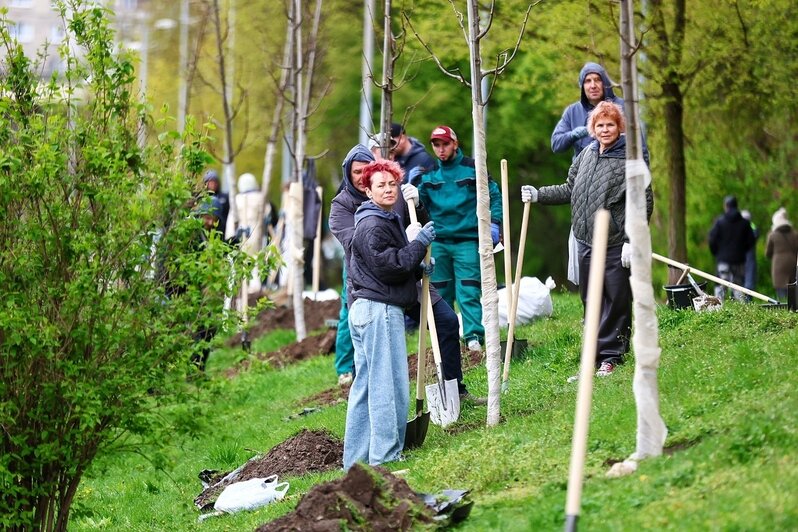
651 430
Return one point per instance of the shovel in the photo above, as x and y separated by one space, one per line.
444 396
417 427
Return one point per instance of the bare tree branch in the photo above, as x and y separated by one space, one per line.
458 75
507 59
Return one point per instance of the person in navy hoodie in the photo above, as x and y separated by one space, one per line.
383 271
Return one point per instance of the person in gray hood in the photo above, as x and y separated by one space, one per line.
571 130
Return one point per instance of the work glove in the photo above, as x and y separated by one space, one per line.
626 255
410 194
412 231
494 232
429 267
579 132
529 194
427 234
414 174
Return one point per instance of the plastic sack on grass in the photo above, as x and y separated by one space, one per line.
534 301
250 494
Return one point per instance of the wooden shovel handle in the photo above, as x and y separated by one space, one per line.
421 359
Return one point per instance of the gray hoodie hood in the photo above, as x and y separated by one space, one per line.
591 68
357 153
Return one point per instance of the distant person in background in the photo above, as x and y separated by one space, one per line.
248 203
750 257
782 249
730 239
410 154
212 184
383 271
375 147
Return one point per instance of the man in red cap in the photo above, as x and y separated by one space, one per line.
449 192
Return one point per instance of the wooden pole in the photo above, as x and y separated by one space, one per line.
589 346
317 247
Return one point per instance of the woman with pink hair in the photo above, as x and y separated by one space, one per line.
383 271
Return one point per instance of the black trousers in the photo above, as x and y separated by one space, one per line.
615 325
448 329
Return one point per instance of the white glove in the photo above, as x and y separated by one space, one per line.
410 193
412 231
626 255
529 194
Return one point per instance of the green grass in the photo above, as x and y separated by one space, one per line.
727 394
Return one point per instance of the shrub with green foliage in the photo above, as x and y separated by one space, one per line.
90 337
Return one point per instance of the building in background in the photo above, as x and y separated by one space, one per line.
38 27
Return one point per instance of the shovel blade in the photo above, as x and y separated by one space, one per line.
416 431
444 402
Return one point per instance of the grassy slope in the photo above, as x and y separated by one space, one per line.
728 396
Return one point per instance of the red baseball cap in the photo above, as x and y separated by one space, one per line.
443 133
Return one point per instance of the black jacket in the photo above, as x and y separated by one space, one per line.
731 237
384 265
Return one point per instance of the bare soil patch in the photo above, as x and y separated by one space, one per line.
307 451
282 317
366 499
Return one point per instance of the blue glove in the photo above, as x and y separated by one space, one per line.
494 232
579 132
427 234
414 175
429 268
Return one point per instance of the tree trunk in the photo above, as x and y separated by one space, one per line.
677 172
651 431
297 240
490 297
386 109
229 169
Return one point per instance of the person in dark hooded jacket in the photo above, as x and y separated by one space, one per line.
730 239
383 270
411 155
342 225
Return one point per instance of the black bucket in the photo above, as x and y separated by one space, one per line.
681 295
520 346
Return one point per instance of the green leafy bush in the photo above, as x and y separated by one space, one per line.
104 279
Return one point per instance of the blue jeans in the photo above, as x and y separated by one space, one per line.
376 414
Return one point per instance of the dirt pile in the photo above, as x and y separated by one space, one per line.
366 499
282 317
308 451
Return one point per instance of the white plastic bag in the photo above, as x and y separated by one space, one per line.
250 494
534 301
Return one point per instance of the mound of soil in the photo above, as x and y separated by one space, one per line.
308 451
366 499
282 317
311 346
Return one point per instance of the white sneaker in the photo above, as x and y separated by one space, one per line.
344 379
474 345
